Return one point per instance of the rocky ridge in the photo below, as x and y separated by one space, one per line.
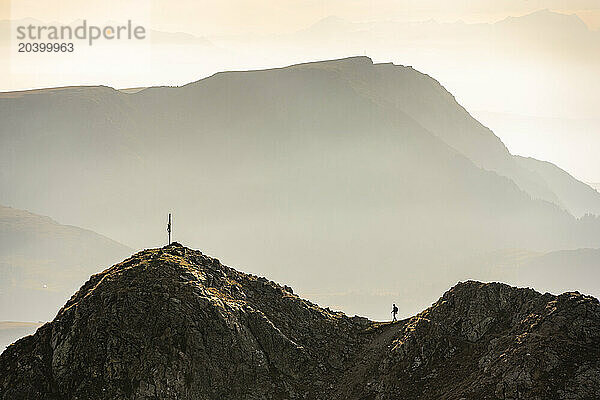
172 323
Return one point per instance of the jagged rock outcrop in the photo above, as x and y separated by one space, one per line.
172 323
490 341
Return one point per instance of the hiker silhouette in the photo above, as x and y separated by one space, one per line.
394 312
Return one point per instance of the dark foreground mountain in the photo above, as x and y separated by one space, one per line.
172 323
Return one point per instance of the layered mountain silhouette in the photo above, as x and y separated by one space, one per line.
373 169
172 323
578 197
42 262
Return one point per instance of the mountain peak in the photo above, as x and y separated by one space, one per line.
174 323
352 61
548 20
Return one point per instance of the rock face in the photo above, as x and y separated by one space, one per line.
172 323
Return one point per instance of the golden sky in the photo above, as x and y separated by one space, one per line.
272 16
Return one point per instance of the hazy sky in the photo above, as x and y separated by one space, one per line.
274 16
549 71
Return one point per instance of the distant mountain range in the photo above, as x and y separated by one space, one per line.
528 64
543 63
361 179
42 262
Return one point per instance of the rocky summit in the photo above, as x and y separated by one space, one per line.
172 323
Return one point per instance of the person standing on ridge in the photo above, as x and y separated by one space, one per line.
394 312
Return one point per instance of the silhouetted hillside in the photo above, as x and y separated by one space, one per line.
42 262
577 197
